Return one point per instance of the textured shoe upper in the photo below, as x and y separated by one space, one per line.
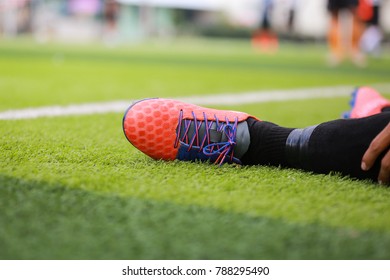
366 102
169 129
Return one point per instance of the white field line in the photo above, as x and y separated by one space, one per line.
217 99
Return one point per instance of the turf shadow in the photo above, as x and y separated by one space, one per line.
50 221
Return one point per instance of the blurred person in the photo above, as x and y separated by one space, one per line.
293 7
110 14
169 129
342 41
24 16
264 39
369 12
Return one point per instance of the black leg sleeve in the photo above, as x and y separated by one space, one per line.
340 145
335 146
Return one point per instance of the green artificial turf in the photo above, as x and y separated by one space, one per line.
74 188
65 223
36 75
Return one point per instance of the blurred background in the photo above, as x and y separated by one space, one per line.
124 21
82 191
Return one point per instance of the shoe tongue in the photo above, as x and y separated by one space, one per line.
217 136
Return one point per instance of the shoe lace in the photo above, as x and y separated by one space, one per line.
224 150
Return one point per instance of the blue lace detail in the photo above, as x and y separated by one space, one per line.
201 147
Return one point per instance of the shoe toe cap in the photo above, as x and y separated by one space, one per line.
150 125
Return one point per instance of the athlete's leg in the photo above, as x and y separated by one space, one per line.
332 146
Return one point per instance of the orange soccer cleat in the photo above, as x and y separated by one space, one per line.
169 129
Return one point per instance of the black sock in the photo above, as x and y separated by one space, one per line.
268 142
336 146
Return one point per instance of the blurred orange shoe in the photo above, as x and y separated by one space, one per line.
365 102
169 129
